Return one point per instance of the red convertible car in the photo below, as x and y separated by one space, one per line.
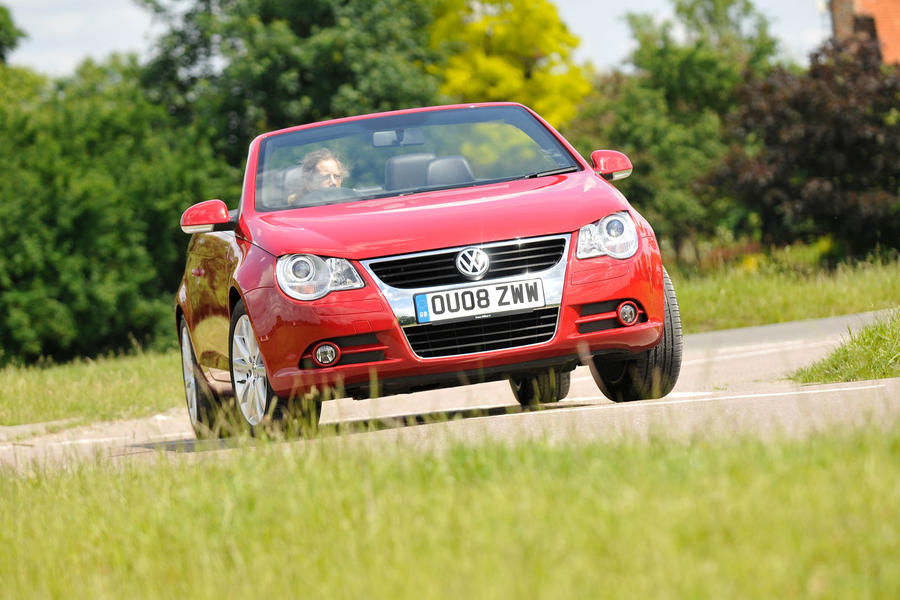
418 249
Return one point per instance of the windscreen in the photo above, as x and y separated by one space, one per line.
405 154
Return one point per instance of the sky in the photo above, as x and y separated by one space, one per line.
62 33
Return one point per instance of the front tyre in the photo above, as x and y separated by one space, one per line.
256 403
248 373
542 387
652 374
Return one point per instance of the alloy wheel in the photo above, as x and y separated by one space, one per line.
250 381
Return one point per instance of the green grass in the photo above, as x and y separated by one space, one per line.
714 518
872 353
91 390
753 295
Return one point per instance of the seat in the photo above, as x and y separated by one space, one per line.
291 186
406 171
449 170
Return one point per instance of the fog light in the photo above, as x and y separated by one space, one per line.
627 313
326 354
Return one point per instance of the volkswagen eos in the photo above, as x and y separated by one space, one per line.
417 249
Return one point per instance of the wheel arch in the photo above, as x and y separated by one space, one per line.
179 314
234 296
180 301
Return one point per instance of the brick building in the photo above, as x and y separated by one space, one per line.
879 19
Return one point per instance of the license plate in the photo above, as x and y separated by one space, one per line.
478 301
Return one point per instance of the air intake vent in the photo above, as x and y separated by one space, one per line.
482 335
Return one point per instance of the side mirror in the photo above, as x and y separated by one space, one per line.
211 215
611 165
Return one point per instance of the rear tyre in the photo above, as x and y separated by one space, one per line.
541 387
257 408
201 408
652 374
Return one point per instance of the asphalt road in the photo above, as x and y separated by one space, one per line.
732 383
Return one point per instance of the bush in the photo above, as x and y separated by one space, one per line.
94 180
824 150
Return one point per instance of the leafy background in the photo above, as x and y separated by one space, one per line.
734 146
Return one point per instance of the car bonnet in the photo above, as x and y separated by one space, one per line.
440 219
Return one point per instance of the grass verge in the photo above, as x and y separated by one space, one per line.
744 297
872 353
730 518
91 390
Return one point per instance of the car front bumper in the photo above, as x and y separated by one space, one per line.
377 356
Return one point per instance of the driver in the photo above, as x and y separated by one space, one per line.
318 170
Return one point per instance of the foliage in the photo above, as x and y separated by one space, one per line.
10 35
20 87
872 353
237 68
94 178
723 40
668 156
504 50
668 115
824 152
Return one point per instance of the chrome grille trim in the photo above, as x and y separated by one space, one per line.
401 299
508 259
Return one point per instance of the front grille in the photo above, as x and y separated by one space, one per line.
482 335
439 268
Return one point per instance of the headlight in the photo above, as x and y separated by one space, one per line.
308 277
614 235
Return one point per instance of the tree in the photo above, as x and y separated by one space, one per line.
237 68
94 179
824 150
718 45
668 115
670 156
9 34
509 50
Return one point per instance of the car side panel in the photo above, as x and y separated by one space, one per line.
212 258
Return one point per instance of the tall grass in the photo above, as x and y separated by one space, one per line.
758 293
872 353
710 518
91 390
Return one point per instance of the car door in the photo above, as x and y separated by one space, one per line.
212 258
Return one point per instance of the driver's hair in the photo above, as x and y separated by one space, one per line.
311 160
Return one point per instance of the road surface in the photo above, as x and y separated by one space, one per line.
732 383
